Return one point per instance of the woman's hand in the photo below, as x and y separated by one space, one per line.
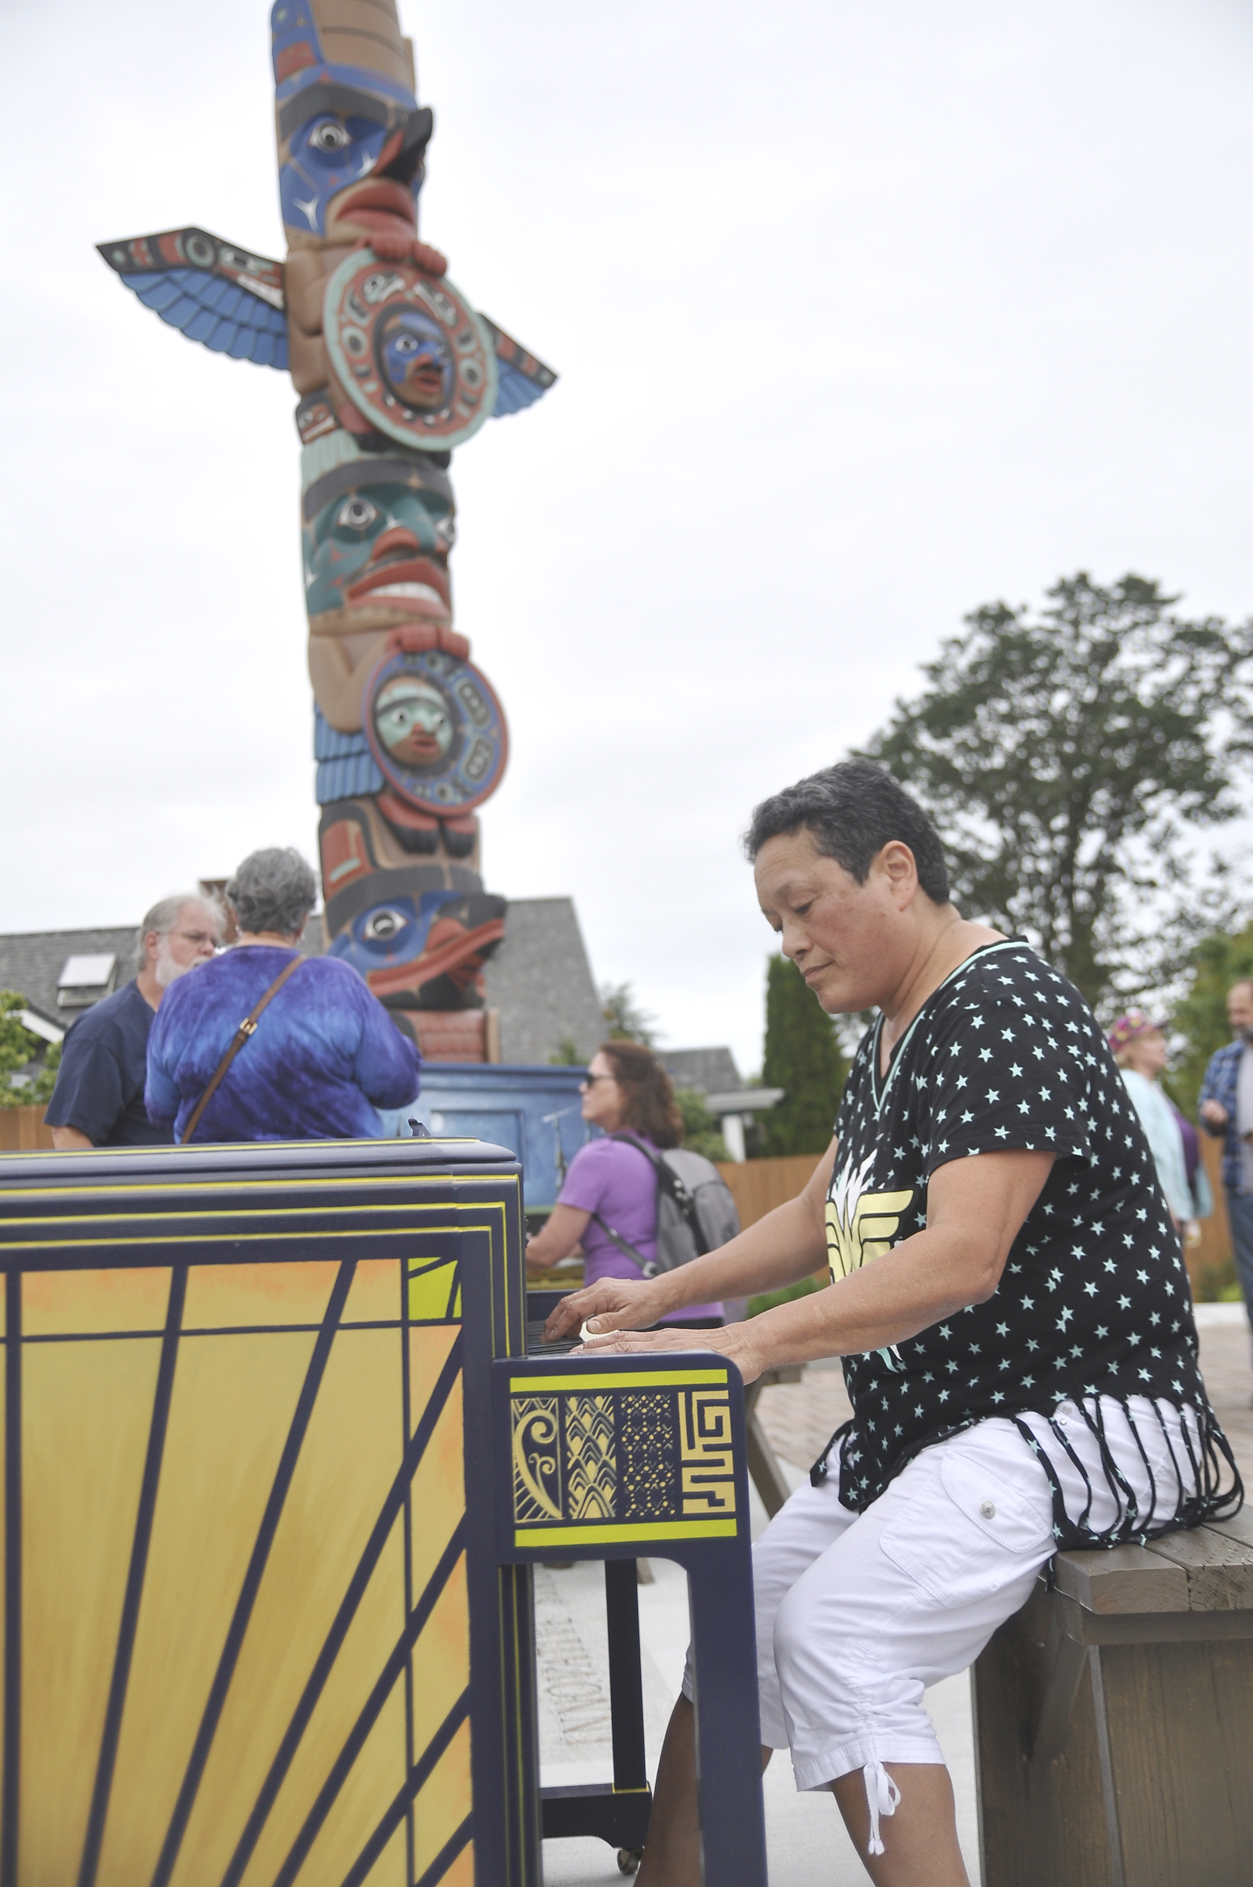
734 1341
609 1304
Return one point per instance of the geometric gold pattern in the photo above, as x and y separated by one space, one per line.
598 1455
708 1465
591 1472
647 1461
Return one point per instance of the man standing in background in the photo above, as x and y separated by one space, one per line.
98 1100
1226 1108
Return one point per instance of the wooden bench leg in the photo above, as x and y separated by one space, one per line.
763 1465
1175 1735
1041 1810
1064 1661
1109 1791
1145 1780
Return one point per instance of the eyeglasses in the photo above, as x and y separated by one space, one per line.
589 1081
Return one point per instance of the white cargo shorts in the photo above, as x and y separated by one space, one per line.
858 1613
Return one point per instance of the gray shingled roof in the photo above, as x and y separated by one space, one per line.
541 982
31 961
711 1070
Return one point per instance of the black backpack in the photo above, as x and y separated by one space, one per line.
696 1212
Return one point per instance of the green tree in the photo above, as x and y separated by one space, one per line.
625 1021
1201 1017
39 1089
802 1057
1063 755
566 1054
18 1047
701 1132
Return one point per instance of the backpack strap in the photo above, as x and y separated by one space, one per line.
246 1028
647 1265
667 1177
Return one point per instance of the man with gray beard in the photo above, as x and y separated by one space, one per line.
98 1100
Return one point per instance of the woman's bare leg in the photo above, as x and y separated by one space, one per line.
672 1850
919 1840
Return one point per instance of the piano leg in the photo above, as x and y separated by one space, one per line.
626 1685
728 1741
617 1814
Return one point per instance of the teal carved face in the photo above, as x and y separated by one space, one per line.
380 543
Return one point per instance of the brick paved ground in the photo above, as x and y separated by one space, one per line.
799 1418
1228 1373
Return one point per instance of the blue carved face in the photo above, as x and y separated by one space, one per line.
341 129
325 156
380 543
416 359
393 931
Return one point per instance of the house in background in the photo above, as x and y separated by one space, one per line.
712 1073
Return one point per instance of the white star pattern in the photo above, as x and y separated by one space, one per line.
1097 1218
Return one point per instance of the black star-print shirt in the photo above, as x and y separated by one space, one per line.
1094 1299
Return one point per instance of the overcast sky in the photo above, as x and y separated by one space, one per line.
864 315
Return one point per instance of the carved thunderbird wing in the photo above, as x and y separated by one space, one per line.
228 299
521 378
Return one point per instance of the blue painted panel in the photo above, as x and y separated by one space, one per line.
513 1105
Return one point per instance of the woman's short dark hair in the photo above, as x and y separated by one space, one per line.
648 1103
273 890
853 810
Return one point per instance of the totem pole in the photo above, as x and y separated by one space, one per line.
394 369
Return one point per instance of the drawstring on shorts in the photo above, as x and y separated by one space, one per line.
882 1798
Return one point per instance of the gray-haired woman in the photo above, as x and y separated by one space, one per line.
324 1055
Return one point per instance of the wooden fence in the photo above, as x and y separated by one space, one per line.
22 1129
1214 1250
758 1186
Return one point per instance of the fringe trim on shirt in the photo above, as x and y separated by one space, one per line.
1201 1496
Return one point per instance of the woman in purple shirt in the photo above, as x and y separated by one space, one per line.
627 1090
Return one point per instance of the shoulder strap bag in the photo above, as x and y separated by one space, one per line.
668 1179
246 1028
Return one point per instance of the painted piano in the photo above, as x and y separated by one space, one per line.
276 1467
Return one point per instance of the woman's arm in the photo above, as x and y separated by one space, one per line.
566 1226
787 1245
975 1210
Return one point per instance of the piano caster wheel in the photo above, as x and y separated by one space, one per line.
629 1859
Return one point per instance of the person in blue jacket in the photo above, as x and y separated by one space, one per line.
325 1056
1226 1111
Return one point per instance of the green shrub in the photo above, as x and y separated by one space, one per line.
788 1295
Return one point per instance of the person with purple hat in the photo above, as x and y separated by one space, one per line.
1139 1048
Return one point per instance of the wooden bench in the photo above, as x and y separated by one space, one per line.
1114 1720
763 1464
